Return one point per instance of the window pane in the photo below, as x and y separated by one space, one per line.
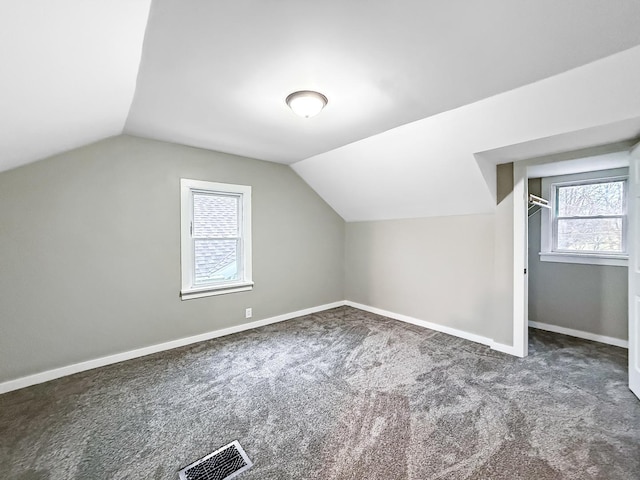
216 261
591 235
215 215
593 199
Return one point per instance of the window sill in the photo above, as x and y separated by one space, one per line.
188 294
585 258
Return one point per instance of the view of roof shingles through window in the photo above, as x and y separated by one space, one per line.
216 234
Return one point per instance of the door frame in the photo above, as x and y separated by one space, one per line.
520 260
521 173
634 270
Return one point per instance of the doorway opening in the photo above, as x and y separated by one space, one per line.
572 164
577 254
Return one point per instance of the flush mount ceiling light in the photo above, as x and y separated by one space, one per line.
306 103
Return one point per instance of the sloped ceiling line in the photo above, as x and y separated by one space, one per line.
432 161
417 90
69 73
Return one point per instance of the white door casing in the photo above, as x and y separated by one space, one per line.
633 243
520 261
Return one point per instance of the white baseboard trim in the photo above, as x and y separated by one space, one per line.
45 376
579 334
434 326
508 349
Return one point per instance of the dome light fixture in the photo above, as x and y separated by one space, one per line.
306 103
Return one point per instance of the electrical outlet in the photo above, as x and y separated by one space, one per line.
248 313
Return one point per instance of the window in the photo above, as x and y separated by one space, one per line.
587 222
215 238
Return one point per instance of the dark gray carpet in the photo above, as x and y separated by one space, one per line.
342 394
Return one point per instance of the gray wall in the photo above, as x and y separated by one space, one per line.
501 322
456 271
436 269
90 251
590 298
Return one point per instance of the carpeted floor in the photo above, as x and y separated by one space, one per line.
342 394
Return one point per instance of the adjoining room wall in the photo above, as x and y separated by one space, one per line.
437 269
588 298
90 251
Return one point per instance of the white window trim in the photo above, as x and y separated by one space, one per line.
188 290
547 254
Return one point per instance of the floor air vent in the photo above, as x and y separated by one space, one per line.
223 464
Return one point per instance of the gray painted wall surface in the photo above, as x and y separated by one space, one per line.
591 298
456 271
436 269
90 251
501 322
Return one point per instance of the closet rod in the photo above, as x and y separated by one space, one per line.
539 201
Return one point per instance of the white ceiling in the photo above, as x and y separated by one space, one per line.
68 73
215 74
421 93
443 164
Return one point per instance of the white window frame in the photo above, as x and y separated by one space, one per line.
548 229
187 245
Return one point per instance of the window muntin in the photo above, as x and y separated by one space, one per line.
216 238
589 217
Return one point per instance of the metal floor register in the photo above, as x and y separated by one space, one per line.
223 464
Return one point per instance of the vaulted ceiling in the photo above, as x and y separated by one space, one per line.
68 73
419 91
